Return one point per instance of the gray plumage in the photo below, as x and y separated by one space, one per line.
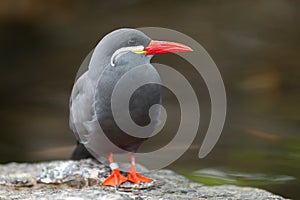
91 94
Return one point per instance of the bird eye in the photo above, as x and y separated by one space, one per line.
131 42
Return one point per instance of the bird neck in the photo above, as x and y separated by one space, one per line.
97 65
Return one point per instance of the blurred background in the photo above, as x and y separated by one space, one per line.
255 44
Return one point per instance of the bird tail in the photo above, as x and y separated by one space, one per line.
80 152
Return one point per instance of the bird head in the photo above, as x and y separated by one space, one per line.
123 41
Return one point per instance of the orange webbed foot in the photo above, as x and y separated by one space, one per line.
115 179
136 178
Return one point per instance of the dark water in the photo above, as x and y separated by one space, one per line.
255 44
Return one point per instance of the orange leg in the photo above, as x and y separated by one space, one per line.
116 178
133 175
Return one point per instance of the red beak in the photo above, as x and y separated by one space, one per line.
163 47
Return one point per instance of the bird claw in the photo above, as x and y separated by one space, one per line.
137 178
115 179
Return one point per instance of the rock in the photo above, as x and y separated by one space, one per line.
79 180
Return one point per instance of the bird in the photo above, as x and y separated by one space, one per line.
117 53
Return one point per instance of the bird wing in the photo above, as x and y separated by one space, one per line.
81 106
83 120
